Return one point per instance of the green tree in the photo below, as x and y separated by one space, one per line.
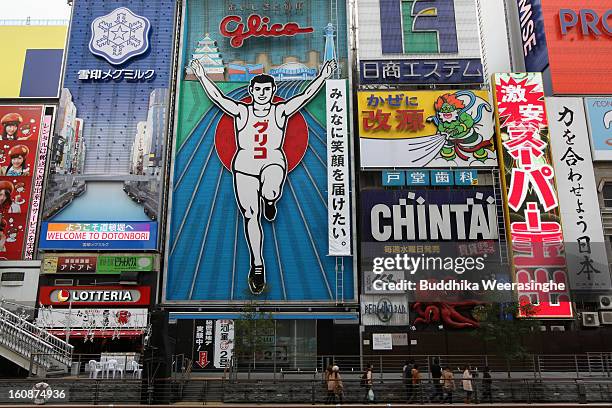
251 330
502 325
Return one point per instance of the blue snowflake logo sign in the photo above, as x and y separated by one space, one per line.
119 35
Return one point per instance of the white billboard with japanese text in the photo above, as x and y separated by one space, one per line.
585 249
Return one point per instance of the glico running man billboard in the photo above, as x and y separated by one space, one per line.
24 139
107 154
260 190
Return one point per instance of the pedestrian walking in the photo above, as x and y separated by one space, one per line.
407 379
448 385
436 375
329 399
335 388
487 381
367 381
416 384
467 384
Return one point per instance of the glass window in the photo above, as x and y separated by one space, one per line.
607 195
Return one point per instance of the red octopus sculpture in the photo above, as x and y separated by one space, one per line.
447 313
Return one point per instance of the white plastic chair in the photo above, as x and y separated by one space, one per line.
136 370
114 367
94 368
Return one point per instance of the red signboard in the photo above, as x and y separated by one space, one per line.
579 40
98 333
95 295
22 127
530 199
257 26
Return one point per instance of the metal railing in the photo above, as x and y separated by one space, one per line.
313 391
390 366
32 343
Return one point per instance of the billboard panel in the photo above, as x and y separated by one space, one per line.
81 263
98 319
35 53
411 236
426 129
94 295
213 344
599 115
530 199
249 214
417 42
109 142
579 40
585 249
24 136
533 35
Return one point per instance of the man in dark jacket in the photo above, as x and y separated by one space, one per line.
436 374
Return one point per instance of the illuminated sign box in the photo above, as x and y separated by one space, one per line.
99 236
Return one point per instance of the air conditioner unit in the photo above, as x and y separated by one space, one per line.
605 302
606 317
557 328
590 319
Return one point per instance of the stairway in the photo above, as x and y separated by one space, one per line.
32 348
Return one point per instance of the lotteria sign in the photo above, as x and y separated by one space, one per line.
94 295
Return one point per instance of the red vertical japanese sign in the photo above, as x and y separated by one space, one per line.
530 199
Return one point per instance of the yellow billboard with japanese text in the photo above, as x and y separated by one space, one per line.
426 129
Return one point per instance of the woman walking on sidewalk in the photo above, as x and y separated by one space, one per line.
467 384
367 382
449 384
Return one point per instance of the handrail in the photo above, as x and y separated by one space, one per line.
36 331
31 342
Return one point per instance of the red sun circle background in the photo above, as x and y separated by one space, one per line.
294 146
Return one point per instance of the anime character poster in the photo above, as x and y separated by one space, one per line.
21 127
105 184
249 216
426 129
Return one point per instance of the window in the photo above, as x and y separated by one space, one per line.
554 299
13 277
533 298
63 282
607 195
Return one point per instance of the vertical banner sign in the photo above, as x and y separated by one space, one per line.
338 197
585 249
203 344
107 154
530 199
255 127
533 35
38 183
23 128
224 343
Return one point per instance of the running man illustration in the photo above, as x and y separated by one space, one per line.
259 166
